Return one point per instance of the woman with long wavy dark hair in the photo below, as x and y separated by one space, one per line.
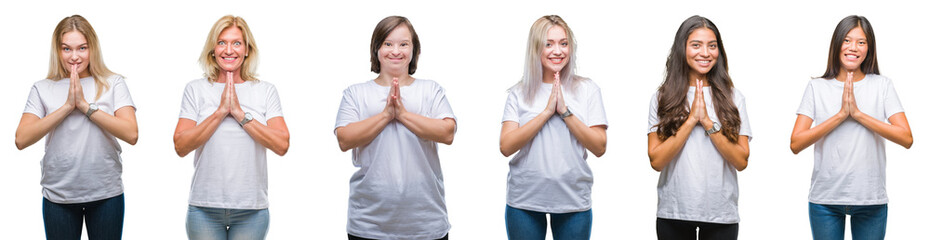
698 137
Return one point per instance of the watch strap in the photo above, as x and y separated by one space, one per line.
567 113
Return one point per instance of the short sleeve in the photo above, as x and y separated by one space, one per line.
34 103
121 97
744 128
596 115
653 114
348 110
892 103
510 107
441 109
807 102
273 103
188 103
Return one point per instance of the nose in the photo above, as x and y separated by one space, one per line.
557 51
395 49
705 52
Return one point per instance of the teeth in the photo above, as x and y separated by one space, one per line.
229 58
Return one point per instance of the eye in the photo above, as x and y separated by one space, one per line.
713 46
695 45
237 43
548 44
845 40
221 43
387 44
861 42
564 44
404 44
66 49
83 48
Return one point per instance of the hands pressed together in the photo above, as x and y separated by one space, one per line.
395 104
229 102
699 108
849 107
75 98
556 99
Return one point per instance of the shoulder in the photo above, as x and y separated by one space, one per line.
879 79
44 83
197 84
586 84
738 96
357 87
427 84
115 79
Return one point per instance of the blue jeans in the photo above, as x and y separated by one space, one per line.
531 225
204 223
828 222
104 219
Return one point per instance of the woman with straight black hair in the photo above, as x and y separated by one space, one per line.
856 109
698 137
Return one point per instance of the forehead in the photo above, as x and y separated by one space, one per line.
556 32
73 38
856 33
400 33
702 34
231 32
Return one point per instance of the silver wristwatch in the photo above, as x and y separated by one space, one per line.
567 113
91 108
716 128
246 119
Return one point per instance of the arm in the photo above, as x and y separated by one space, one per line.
898 131
514 136
437 130
736 153
362 132
122 124
662 152
593 138
804 136
189 135
32 128
274 136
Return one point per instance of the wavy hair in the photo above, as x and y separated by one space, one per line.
673 106
211 69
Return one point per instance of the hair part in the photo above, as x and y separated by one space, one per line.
673 108
95 65
211 69
834 63
381 32
533 66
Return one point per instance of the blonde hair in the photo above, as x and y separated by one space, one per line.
57 71
533 69
208 62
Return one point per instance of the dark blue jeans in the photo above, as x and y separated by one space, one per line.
104 219
828 222
531 225
673 229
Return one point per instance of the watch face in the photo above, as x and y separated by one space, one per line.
248 116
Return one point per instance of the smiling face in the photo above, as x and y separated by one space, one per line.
854 49
75 51
556 52
396 50
230 49
701 51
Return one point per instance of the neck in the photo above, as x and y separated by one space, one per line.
385 78
857 75
692 75
236 77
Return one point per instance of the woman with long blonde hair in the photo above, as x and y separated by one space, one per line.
553 117
83 108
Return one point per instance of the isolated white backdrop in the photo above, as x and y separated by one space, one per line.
313 50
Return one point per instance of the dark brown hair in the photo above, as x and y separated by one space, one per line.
673 103
869 65
382 31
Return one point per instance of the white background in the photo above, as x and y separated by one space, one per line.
312 51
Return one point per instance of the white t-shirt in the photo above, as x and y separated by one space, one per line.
550 173
90 170
230 170
849 162
698 184
397 192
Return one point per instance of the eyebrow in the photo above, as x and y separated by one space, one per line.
699 41
79 45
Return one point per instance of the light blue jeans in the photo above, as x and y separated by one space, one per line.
531 225
828 222
204 223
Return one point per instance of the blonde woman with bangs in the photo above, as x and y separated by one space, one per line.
230 118
552 118
83 107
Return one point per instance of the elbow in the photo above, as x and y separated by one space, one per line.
20 145
742 167
600 151
132 139
655 166
506 152
282 149
180 150
448 140
908 142
795 148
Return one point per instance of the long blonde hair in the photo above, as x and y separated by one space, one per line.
533 69
211 69
57 71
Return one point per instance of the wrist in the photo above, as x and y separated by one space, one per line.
82 106
707 124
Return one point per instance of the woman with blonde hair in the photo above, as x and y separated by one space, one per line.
83 107
553 117
231 119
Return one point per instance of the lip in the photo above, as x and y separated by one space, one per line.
703 63
229 59
556 60
395 59
851 57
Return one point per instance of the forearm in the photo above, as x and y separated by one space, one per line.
278 140
662 152
514 139
734 152
437 130
187 140
897 134
805 136
32 128
122 126
592 138
362 132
